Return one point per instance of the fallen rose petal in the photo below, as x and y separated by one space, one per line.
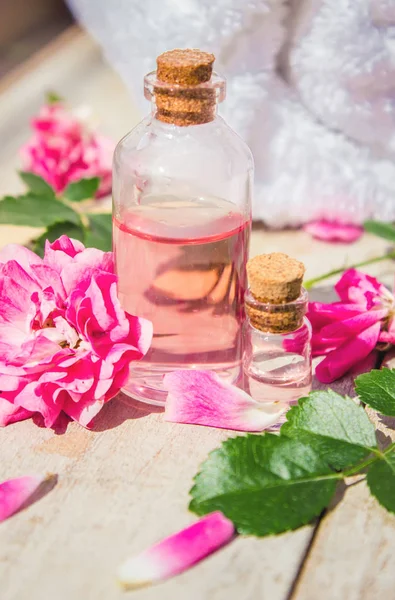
333 231
202 398
177 553
16 493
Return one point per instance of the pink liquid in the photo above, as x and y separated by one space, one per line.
181 264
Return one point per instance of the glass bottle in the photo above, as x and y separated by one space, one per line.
277 357
182 186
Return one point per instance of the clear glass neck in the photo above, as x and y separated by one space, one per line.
184 105
276 318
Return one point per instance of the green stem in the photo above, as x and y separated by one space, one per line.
389 448
378 455
311 282
358 468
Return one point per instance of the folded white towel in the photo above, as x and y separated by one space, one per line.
311 88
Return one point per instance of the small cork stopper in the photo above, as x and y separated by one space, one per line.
275 282
275 278
186 103
185 67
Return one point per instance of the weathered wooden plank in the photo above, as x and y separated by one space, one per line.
121 487
353 553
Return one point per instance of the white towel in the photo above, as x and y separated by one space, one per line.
311 88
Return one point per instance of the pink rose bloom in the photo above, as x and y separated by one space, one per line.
62 150
65 342
348 331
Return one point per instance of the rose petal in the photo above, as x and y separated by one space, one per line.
333 231
320 314
341 360
9 413
14 493
365 365
361 289
177 553
387 337
350 327
21 255
202 398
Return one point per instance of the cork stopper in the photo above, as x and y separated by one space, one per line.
274 301
185 67
180 94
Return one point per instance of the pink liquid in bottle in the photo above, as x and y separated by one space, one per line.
181 264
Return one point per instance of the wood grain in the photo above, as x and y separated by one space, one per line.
353 552
124 485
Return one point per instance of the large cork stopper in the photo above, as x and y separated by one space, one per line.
185 67
275 282
181 101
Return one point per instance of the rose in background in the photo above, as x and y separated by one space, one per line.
68 166
65 342
63 150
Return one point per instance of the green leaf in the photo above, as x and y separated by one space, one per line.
35 211
99 232
82 189
377 389
383 230
337 428
36 184
265 484
53 98
54 231
381 481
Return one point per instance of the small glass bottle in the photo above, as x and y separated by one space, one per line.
277 357
182 184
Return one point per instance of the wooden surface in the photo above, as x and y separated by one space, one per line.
125 484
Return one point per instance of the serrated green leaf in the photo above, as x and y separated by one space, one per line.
54 231
336 427
35 211
265 484
99 232
377 389
37 184
381 481
383 230
82 189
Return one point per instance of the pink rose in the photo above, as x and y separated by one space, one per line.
65 342
62 150
348 331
